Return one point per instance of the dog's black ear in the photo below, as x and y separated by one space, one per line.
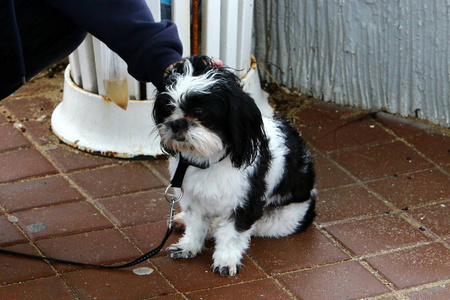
247 135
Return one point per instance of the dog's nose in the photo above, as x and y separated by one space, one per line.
179 126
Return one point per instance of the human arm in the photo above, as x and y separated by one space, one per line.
129 29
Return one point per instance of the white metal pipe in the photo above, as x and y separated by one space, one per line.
98 65
211 18
229 32
244 37
181 15
87 65
74 60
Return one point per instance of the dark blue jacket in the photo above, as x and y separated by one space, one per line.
37 33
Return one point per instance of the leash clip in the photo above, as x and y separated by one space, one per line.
172 199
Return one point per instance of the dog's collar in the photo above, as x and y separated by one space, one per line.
183 164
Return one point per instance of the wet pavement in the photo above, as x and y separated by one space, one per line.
382 229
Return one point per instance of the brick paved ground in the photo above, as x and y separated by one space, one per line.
382 230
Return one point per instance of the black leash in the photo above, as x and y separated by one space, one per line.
176 182
86 265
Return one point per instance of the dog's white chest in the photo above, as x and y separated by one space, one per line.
216 191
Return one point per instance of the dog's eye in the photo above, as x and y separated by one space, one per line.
197 112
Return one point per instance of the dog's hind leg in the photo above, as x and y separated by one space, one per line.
284 220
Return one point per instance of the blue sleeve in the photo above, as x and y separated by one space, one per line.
128 28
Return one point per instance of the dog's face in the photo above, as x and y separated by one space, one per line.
203 113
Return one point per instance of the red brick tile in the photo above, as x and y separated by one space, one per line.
35 85
11 138
117 284
9 234
37 192
261 289
24 90
446 168
311 115
376 234
434 145
303 250
22 164
17 269
29 108
435 218
347 280
414 189
411 267
128 210
194 274
344 134
148 236
347 203
401 126
381 161
161 165
40 132
329 175
42 289
61 219
440 292
117 180
70 159
98 247
318 112
172 297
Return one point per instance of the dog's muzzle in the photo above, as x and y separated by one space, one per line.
179 128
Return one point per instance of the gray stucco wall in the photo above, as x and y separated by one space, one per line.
374 54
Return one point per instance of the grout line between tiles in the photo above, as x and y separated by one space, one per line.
402 294
36 248
376 179
284 288
158 174
377 274
57 276
242 283
404 141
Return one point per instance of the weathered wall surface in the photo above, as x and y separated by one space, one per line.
366 53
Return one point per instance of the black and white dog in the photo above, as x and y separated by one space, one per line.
249 175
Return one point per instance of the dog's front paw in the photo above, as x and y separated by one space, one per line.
226 270
227 261
177 252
